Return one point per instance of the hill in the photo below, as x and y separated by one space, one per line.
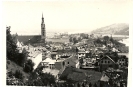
114 29
12 66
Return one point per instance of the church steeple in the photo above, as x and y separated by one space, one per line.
42 19
42 15
43 35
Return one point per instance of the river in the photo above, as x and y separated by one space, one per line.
126 42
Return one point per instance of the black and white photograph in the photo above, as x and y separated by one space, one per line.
67 43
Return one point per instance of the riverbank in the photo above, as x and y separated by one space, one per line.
125 41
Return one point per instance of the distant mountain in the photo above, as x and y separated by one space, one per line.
114 29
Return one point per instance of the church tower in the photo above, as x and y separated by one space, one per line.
43 34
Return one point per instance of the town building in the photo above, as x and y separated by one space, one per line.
106 62
114 77
64 62
122 62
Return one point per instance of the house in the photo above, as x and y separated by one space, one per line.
49 63
106 62
71 61
59 64
71 73
44 55
114 77
105 77
89 63
122 61
81 54
64 62
52 71
115 50
79 75
85 41
123 54
19 44
54 55
111 75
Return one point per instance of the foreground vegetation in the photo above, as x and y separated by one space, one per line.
20 69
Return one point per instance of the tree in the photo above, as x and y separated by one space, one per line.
75 40
106 38
71 39
98 41
47 78
11 46
84 36
40 79
18 74
112 40
95 85
90 85
22 57
114 56
29 66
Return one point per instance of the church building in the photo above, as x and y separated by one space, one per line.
33 39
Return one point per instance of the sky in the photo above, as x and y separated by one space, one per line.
24 17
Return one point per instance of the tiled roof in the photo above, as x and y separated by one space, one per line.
104 77
95 76
108 58
112 75
26 38
73 59
77 76
65 73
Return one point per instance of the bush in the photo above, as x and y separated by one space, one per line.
8 61
10 74
18 74
40 79
29 66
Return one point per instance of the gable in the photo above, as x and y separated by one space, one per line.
104 78
106 61
72 60
107 58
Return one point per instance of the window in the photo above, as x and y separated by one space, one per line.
105 61
108 61
101 61
67 62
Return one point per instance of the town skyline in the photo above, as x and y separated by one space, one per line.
67 43
75 16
